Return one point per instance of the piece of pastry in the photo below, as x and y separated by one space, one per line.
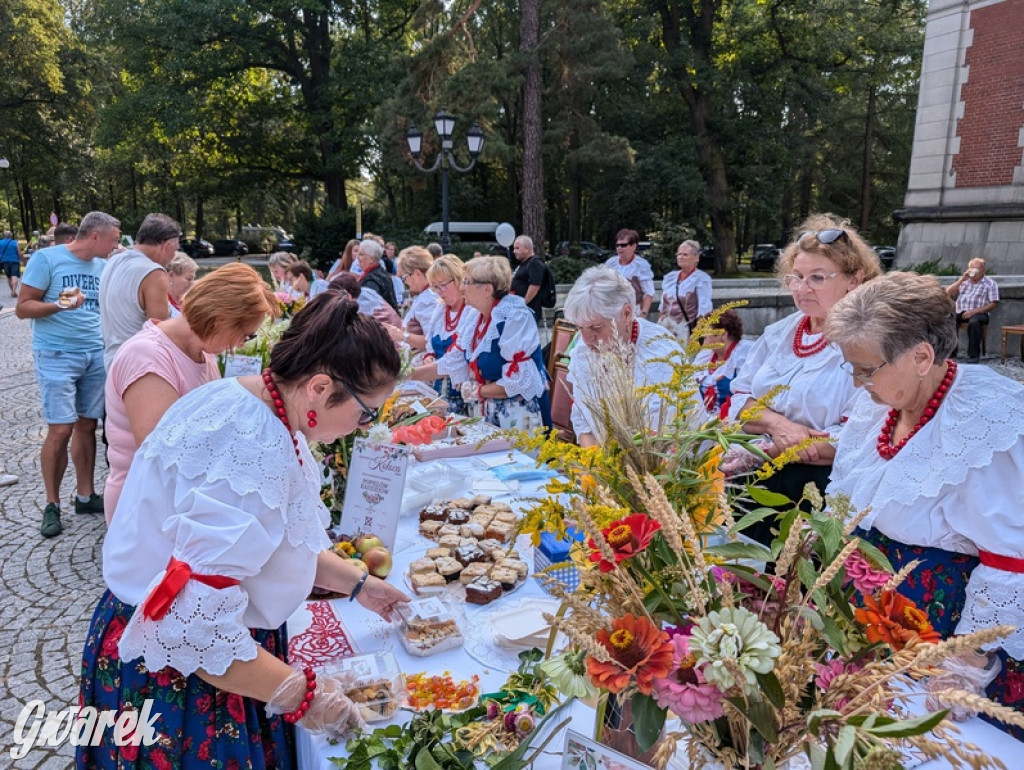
427 582
458 515
448 529
437 553
472 529
483 591
432 513
499 530
467 554
506 516
507 577
430 529
450 541
448 568
473 571
422 565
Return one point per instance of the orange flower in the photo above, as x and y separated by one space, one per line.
895 620
639 650
627 537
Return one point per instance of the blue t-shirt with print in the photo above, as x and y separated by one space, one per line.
78 331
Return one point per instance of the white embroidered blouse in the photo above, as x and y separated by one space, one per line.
638 268
216 485
955 485
818 393
519 337
652 342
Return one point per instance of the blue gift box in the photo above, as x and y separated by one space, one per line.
553 551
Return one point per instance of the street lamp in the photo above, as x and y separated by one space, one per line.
4 165
444 124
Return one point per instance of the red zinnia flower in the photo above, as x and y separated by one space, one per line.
638 649
895 620
627 537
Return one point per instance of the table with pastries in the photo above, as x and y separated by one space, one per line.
322 631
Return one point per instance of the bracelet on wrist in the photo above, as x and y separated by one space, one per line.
294 716
358 587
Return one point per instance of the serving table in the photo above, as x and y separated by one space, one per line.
365 632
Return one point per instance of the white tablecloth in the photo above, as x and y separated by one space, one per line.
369 633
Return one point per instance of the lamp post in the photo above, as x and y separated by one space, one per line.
4 165
444 124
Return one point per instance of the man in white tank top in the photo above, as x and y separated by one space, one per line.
135 283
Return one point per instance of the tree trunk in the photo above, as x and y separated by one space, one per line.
317 94
533 161
696 20
865 179
200 218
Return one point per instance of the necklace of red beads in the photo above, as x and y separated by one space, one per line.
886 449
449 322
482 325
635 334
275 395
802 349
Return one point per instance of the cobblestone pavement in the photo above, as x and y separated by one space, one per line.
49 588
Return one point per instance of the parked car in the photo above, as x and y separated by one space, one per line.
706 260
196 248
265 239
764 257
230 248
588 250
887 255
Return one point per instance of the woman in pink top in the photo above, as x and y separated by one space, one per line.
167 359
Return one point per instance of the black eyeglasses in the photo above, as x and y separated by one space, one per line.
251 337
622 245
827 236
369 415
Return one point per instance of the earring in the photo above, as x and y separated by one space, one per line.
311 418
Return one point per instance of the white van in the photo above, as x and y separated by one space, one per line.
464 231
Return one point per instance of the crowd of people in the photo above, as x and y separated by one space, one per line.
213 495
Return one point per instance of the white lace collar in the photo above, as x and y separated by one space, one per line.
982 415
508 307
222 432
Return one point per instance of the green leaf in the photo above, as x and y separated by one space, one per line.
908 727
425 761
844 743
762 717
733 551
805 570
772 689
817 755
831 531
753 517
815 717
874 555
768 498
648 719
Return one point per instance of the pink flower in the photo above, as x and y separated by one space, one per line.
865 578
827 673
684 690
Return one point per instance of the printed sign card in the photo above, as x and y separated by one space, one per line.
237 365
373 493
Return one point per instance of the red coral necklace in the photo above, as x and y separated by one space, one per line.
482 325
885 446
275 394
802 349
451 323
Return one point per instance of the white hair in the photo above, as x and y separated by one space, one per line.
527 240
599 293
371 249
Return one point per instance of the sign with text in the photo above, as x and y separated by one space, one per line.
237 365
373 492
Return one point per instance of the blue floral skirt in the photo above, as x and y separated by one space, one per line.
938 586
199 725
517 412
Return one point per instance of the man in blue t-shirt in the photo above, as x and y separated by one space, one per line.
60 292
10 261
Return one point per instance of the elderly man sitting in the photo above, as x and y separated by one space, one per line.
976 296
601 304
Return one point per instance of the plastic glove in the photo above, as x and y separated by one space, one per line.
470 391
331 713
960 673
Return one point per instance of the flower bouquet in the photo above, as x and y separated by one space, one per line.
288 304
762 654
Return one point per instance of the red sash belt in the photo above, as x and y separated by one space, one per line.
1005 563
518 358
178 573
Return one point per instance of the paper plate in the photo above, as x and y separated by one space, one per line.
481 636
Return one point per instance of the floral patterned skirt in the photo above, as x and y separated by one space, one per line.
199 725
517 412
938 586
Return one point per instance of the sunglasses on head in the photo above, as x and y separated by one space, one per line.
826 236
369 415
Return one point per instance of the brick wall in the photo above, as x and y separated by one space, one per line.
990 130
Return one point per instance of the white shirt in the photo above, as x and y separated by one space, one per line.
697 281
955 485
728 369
218 486
422 309
818 393
652 342
518 336
638 268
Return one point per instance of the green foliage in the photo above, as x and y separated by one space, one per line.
568 269
933 267
322 237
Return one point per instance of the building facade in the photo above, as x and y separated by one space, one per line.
965 195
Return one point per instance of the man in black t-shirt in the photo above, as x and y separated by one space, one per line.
529 276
